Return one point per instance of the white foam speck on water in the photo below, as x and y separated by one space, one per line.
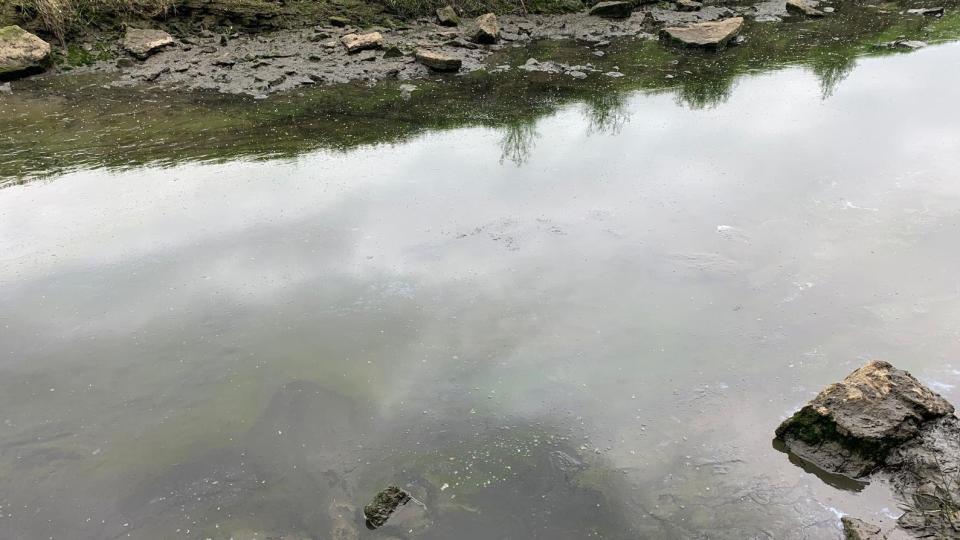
847 205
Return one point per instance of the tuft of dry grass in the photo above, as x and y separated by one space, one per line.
60 16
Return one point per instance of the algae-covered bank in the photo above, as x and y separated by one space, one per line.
568 291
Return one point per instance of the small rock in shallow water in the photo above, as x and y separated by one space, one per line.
5 88
384 505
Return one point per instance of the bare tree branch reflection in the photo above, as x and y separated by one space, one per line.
519 139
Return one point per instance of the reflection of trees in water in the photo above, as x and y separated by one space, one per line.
831 70
606 113
704 90
518 141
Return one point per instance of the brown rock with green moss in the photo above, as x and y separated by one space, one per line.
851 426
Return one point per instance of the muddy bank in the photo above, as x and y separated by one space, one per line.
260 63
288 59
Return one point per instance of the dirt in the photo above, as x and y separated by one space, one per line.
282 60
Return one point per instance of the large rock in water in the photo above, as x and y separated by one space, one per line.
142 42
713 34
612 10
21 52
361 42
851 426
438 61
484 29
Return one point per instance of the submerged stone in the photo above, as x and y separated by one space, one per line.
383 506
142 42
21 52
713 34
850 426
613 10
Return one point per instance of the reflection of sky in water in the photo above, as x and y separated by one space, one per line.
662 291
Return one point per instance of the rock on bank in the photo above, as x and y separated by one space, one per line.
21 52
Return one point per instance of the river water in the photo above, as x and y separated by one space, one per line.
582 325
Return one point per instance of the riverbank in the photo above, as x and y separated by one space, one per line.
258 52
106 120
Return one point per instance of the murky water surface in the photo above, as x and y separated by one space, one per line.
583 323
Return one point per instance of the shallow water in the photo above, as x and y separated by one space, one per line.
578 326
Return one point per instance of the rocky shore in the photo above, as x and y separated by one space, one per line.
338 51
882 423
